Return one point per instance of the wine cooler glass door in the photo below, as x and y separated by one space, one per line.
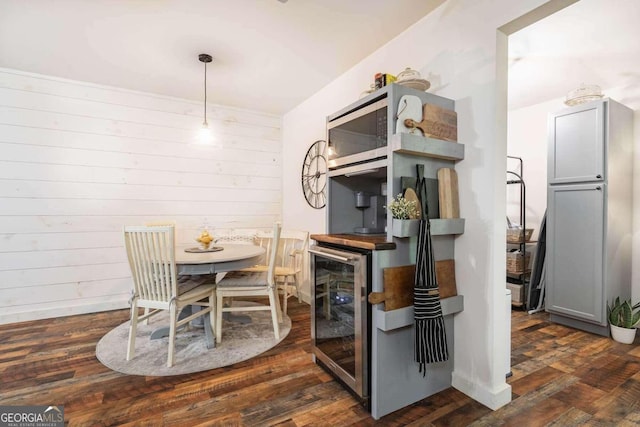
339 314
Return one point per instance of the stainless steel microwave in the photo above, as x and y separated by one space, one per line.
359 135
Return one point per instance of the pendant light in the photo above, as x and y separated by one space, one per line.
205 58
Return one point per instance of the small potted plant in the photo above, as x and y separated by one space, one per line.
404 215
623 318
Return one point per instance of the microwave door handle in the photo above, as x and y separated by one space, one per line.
331 256
357 113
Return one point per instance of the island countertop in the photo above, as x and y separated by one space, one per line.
377 242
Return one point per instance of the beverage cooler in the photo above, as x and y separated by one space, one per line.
341 316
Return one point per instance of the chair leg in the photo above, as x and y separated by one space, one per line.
212 314
173 316
295 283
285 297
219 300
133 329
287 293
275 303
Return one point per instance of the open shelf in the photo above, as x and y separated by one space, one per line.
441 227
394 319
419 145
518 272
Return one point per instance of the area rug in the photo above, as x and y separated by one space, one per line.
241 340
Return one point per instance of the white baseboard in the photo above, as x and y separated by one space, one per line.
53 312
305 297
493 399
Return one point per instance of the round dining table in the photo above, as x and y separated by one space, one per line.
231 257
193 261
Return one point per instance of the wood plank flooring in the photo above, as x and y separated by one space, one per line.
561 377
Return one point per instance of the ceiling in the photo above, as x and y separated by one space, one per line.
590 42
269 55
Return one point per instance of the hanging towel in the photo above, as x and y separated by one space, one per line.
430 334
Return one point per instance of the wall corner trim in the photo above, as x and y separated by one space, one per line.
491 398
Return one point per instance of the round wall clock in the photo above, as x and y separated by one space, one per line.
314 175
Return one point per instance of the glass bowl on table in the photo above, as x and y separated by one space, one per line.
205 239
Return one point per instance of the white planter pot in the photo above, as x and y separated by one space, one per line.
405 227
623 335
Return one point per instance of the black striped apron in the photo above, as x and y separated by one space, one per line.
430 335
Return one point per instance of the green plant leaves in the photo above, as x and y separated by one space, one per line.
623 314
402 208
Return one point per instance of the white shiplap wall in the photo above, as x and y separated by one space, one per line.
79 161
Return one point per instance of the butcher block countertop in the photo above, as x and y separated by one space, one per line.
371 242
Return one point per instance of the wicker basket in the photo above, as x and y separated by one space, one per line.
517 263
514 235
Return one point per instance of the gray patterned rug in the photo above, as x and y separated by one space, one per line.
240 341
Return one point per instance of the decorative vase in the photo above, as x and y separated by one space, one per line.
405 227
623 335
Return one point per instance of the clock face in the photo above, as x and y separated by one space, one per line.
314 175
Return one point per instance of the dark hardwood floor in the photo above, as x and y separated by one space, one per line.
561 377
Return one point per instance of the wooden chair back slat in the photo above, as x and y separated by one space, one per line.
151 255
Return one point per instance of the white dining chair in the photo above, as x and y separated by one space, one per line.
291 252
292 265
251 283
291 260
151 255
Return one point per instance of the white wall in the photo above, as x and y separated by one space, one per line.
527 138
78 161
455 48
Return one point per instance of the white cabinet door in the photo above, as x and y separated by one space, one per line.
575 239
576 144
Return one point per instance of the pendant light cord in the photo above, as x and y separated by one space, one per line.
205 95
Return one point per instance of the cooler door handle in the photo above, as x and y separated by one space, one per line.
329 255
